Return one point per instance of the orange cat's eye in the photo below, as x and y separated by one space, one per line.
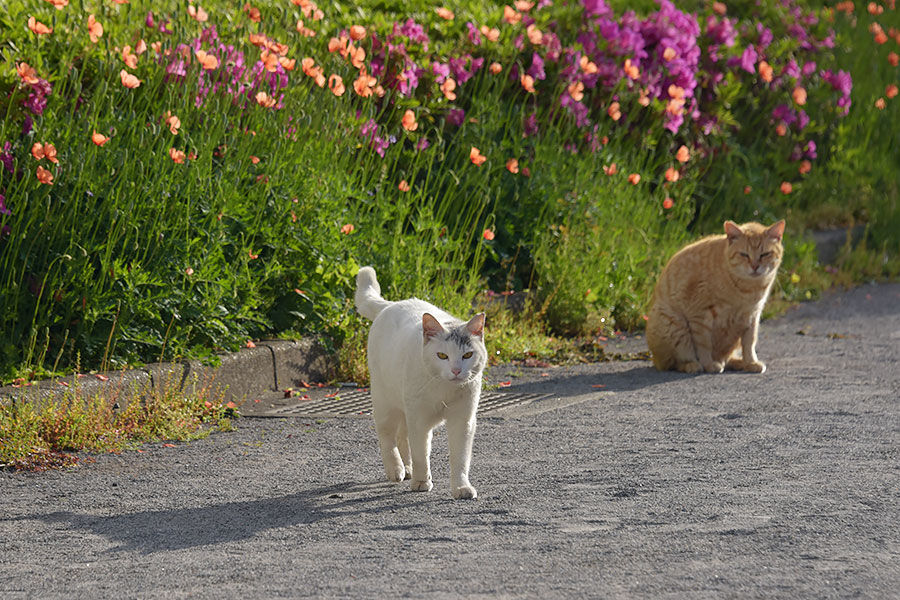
745 255
764 254
467 355
442 356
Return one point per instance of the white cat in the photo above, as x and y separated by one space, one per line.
425 367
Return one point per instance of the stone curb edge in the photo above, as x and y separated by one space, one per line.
271 365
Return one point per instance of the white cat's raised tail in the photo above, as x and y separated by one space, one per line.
425 368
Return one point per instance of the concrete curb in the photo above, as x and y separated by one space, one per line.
271 365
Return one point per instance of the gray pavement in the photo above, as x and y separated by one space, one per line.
785 484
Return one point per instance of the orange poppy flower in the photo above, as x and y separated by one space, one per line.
880 104
129 80
805 167
766 73
672 174
492 34
894 58
447 88
308 65
269 60
99 138
874 8
26 73
444 13
611 169
264 100
207 61
534 35
50 153
631 70
527 82
890 91
252 256
669 54
188 271
587 66
157 47
140 48
476 157
576 90
747 190
59 4
512 165
287 64
510 15
304 30
347 228
786 187
403 186
95 29
44 176
668 203
719 8
38 28
799 95
781 130
364 84
644 97
357 32
523 5
254 159
252 13
357 56
613 111
177 156
683 155
496 68
129 58
172 122
198 14
634 179
336 85
488 234
37 151
337 44
881 37
409 121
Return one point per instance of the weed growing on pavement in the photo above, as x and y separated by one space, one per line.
37 436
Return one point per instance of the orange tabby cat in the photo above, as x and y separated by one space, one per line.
708 299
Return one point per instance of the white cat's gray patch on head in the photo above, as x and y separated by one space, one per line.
461 337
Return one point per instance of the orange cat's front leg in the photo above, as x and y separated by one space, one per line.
752 364
703 332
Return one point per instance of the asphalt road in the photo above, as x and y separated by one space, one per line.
785 484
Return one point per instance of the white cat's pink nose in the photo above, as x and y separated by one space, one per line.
456 371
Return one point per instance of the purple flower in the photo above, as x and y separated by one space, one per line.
422 143
809 68
458 68
802 120
456 116
409 80
783 113
3 209
369 128
474 34
596 8
148 21
27 124
536 69
530 125
413 31
765 36
6 157
722 32
748 60
441 72
792 69
810 150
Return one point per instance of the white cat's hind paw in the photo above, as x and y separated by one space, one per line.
464 492
420 486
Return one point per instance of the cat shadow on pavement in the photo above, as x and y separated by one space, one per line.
600 377
147 532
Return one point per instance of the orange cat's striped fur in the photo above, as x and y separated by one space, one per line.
709 297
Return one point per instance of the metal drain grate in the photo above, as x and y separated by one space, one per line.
355 402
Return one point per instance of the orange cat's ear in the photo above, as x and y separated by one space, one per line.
732 231
776 231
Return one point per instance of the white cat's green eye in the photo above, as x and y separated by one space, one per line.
442 356
467 355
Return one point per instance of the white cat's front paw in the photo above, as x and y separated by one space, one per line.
420 486
395 473
464 492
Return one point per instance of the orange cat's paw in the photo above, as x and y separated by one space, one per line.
735 364
690 367
755 367
714 367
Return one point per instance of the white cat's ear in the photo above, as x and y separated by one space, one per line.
732 231
431 327
475 326
776 231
